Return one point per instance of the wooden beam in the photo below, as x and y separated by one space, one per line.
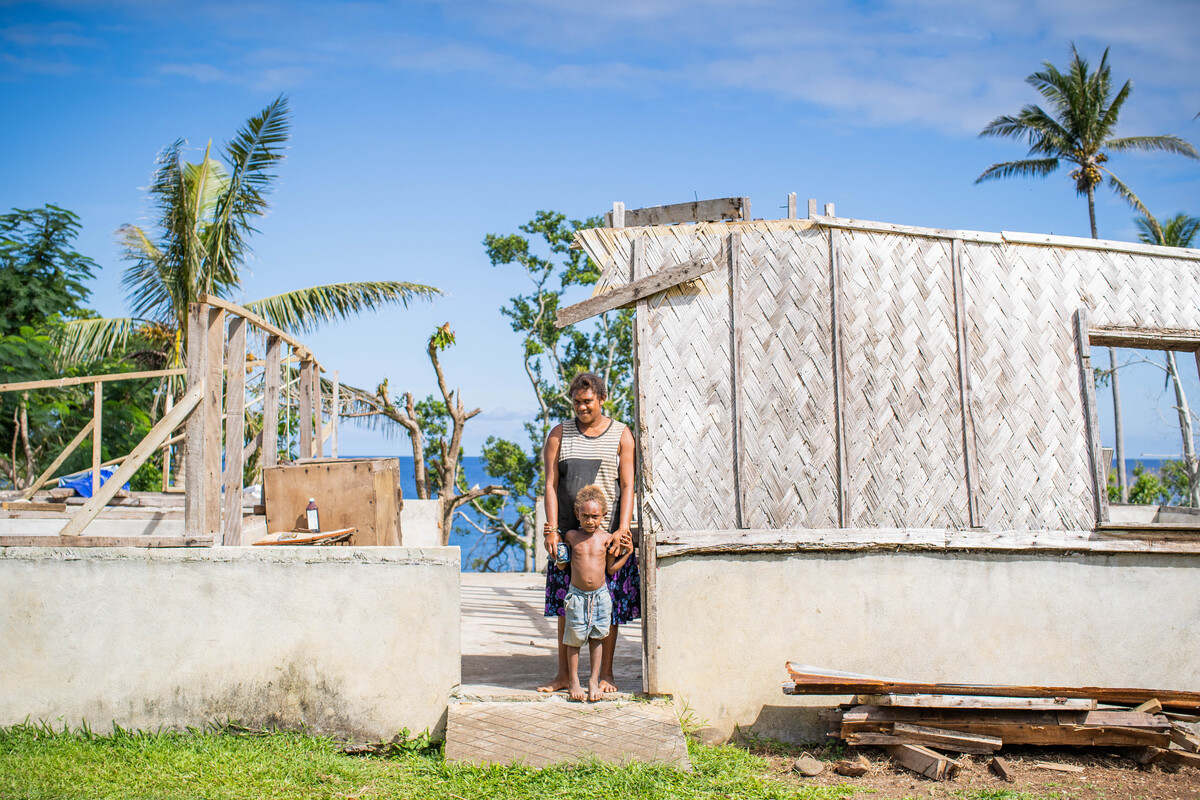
1145 338
210 479
252 446
725 208
11 540
270 429
1109 245
318 427
736 368
791 205
977 701
616 217
839 378
235 433
59 383
965 397
193 443
169 402
97 435
631 292
154 439
306 410
1091 419
260 323
924 761
50 470
334 415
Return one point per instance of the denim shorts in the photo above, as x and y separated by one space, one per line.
589 615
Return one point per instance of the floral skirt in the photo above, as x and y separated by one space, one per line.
625 587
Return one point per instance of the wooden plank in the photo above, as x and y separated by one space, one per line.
1091 419
805 680
1001 768
210 479
304 537
59 383
616 217
334 414
306 409
252 446
350 493
904 733
839 379
829 210
70 448
271 402
924 761
1073 768
791 205
907 230
631 292
1184 737
1144 338
154 439
812 208
1107 245
975 701
737 369
166 452
235 434
193 442
98 433
1151 706
260 323
786 540
318 427
970 460
62 512
10 540
725 208
1013 727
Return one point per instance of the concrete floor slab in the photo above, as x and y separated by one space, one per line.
509 647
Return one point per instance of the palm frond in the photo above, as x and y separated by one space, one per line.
145 280
85 340
1167 144
1178 231
1126 194
1032 167
303 310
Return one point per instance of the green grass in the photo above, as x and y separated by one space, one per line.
38 762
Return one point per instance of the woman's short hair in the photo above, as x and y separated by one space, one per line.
588 380
591 494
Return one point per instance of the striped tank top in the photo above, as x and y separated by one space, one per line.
584 460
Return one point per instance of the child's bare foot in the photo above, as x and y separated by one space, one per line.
577 693
607 685
557 685
594 692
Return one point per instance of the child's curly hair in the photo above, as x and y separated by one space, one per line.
591 494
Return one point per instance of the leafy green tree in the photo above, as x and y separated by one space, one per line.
552 358
43 281
1079 129
206 214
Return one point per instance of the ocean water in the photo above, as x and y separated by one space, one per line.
471 543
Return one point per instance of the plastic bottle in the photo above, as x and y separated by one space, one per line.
314 524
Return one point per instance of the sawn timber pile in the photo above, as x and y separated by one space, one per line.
912 720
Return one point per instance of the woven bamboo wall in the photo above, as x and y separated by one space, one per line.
754 416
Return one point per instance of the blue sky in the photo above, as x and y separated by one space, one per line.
419 127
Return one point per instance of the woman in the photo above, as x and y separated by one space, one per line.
591 448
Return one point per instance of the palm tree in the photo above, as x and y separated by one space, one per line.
1179 231
1079 129
206 212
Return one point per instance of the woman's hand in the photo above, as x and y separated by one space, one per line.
550 539
621 542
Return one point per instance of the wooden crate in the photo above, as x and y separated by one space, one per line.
363 494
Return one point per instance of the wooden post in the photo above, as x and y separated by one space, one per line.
166 453
812 208
1087 381
235 433
70 448
970 461
334 408
791 205
746 209
270 430
647 535
618 215
318 425
829 212
737 392
194 510
214 348
839 378
306 410
97 415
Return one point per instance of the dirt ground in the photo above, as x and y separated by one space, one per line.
1107 775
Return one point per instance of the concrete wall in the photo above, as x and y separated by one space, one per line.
354 642
727 625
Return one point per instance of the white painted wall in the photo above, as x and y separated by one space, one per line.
421 523
354 642
727 625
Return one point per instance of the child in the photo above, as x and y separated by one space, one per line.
588 603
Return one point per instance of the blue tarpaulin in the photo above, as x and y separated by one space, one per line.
82 483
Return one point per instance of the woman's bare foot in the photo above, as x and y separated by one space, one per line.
559 683
577 693
607 685
594 692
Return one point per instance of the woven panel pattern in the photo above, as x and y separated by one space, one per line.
788 433
902 409
686 388
1030 436
1136 290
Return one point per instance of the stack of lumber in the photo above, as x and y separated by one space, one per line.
914 720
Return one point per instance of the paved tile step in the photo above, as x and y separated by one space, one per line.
541 734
